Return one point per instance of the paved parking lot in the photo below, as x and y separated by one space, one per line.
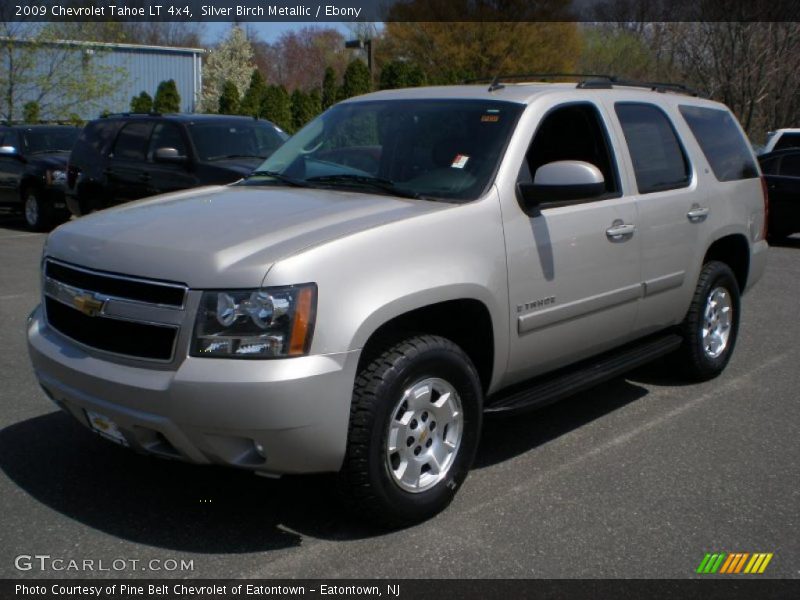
637 478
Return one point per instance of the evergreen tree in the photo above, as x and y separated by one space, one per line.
400 74
303 108
254 96
229 99
142 103
277 107
30 112
167 99
356 80
329 91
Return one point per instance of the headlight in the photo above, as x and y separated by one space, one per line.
265 323
56 177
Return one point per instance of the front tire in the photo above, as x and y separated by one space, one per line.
415 421
37 213
711 326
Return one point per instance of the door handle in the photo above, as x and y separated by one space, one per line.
620 232
697 214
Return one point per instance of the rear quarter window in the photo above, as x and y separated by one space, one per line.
721 141
788 140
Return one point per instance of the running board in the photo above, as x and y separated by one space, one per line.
581 376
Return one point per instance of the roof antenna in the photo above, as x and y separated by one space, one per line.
496 85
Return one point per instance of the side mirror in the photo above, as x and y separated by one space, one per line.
561 181
9 151
169 155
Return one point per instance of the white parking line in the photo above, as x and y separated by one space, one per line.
12 296
19 235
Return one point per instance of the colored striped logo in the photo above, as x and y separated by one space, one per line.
734 562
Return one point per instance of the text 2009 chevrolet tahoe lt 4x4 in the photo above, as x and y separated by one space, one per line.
409 261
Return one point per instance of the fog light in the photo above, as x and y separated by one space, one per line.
260 449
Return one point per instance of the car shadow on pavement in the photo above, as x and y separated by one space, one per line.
506 437
790 242
163 503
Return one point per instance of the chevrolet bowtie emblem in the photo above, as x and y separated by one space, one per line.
88 305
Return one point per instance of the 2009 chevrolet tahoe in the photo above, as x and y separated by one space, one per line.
410 260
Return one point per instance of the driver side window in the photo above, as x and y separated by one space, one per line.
572 132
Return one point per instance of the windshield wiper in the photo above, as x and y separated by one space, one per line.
226 156
280 177
385 185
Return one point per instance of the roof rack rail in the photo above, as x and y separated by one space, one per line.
131 114
594 81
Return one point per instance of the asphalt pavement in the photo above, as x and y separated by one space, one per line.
637 478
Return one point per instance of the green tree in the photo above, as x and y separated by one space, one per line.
142 103
254 96
62 78
229 99
356 79
167 99
277 107
400 74
30 112
304 108
231 60
329 88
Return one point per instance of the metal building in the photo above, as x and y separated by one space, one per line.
139 68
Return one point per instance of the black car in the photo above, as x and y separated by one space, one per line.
33 161
782 174
129 156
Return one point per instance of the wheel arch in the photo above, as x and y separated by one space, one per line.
734 251
466 321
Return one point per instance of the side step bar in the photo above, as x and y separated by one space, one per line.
570 380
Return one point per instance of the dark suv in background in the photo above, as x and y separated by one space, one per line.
33 162
130 156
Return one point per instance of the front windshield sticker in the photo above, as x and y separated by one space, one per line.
460 161
490 118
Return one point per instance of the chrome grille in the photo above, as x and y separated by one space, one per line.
118 314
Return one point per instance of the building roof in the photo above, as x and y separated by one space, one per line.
108 45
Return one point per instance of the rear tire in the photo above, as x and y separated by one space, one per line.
711 326
415 421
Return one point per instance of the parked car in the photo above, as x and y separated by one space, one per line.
781 139
130 156
407 262
782 174
33 160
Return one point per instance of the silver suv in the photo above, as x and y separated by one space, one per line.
409 261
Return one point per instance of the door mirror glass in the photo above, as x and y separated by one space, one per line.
170 155
561 181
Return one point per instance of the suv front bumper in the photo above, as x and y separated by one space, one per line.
274 416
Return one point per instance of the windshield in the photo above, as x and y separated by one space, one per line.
218 141
56 139
445 149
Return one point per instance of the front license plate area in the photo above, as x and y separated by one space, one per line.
106 427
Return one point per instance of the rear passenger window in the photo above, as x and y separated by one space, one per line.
790 165
132 141
725 148
659 161
787 140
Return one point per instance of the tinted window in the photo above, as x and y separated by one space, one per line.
132 141
659 162
572 132
788 140
770 166
242 139
725 148
9 138
166 135
93 140
54 139
790 165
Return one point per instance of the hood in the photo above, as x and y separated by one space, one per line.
222 236
50 160
240 166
